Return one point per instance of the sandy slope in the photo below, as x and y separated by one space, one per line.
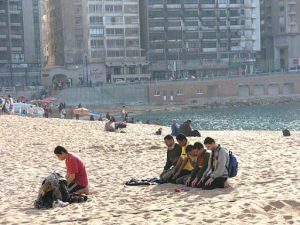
265 192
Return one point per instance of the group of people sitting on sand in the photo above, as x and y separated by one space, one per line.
193 165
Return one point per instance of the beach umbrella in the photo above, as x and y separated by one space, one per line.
82 111
22 99
48 100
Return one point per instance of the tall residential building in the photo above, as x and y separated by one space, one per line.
114 39
280 35
194 38
20 43
265 57
65 42
286 33
101 38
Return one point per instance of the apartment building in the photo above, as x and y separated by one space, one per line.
104 47
20 43
200 38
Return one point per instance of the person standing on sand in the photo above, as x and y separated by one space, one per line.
123 113
76 176
218 174
10 101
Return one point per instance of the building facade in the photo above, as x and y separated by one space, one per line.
286 33
196 38
104 46
280 36
20 43
114 43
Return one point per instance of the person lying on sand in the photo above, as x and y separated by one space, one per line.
217 176
173 154
201 165
184 166
110 126
76 176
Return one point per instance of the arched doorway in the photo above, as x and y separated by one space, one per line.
61 81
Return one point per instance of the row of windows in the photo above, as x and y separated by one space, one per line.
114 43
98 20
98 8
152 2
99 32
114 53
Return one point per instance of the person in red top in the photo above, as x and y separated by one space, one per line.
76 174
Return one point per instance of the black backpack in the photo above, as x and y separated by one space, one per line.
286 133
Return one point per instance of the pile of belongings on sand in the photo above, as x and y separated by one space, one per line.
54 193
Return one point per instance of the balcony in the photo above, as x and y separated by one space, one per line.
156 6
173 6
291 12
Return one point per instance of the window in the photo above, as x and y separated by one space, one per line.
97 54
95 8
113 8
17 56
179 92
115 43
114 31
157 93
97 43
199 92
113 20
96 32
132 70
96 20
115 53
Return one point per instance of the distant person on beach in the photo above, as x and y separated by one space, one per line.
92 118
3 105
174 128
201 166
76 176
107 116
159 131
185 167
218 174
110 126
173 154
46 111
157 121
123 112
11 104
186 129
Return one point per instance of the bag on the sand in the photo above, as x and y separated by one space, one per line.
55 188
233 165
286 133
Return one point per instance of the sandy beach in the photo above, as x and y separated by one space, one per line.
266 190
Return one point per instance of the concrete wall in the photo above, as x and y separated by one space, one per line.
105 95
189 91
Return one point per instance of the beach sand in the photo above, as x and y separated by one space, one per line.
266 190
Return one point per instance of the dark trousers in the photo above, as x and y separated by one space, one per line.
182 173
217 183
